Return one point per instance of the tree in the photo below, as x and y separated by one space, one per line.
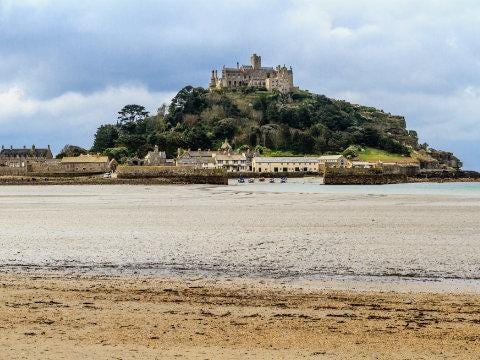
130 114
105 138
225 129
120 154
71 151
189 100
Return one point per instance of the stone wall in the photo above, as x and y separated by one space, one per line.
405 169
12 171
176 174
361 177
437 175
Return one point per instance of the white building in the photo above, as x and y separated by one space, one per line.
288 164
231 162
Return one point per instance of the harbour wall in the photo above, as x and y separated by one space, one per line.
362 177
174 174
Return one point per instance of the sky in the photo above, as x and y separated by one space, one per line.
68 66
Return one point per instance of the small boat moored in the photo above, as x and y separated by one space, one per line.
251 180
271 181
283 180
241 180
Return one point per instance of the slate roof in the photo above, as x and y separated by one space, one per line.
196 153
231 157
196 160
27 152
330 157
286 159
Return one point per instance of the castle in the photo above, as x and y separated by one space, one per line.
279 78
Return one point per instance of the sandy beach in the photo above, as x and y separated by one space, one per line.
52 317
300 271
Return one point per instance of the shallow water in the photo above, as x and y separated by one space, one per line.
311 185
297 231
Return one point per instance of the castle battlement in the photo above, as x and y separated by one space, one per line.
272 78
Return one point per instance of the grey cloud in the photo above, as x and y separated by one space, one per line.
414 58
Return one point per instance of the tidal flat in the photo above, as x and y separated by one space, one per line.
297 270
419 234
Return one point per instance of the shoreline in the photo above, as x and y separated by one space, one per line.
103 317
354 283
84 180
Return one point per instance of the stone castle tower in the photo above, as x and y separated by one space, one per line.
256 61
279 78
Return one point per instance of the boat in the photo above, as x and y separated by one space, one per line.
241 180
262 179
271 181
251 180
283 180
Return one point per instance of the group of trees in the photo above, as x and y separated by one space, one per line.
299 122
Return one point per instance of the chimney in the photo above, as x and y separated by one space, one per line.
33 147
11 147
3 147
48 147
238 65
24 147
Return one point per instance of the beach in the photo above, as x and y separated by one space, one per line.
261 271
53 317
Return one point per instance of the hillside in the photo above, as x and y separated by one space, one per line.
296 123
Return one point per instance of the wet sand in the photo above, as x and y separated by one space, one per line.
239 272
52 317
261 231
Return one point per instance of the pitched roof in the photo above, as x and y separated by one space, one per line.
39 153
230 157
161 154
286 159
196 160
86 159
330 157
226 146
196 153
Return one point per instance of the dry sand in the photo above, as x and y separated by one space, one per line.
48 317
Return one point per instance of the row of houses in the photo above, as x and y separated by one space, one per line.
252 162
41 160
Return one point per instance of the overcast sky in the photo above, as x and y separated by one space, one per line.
68 66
